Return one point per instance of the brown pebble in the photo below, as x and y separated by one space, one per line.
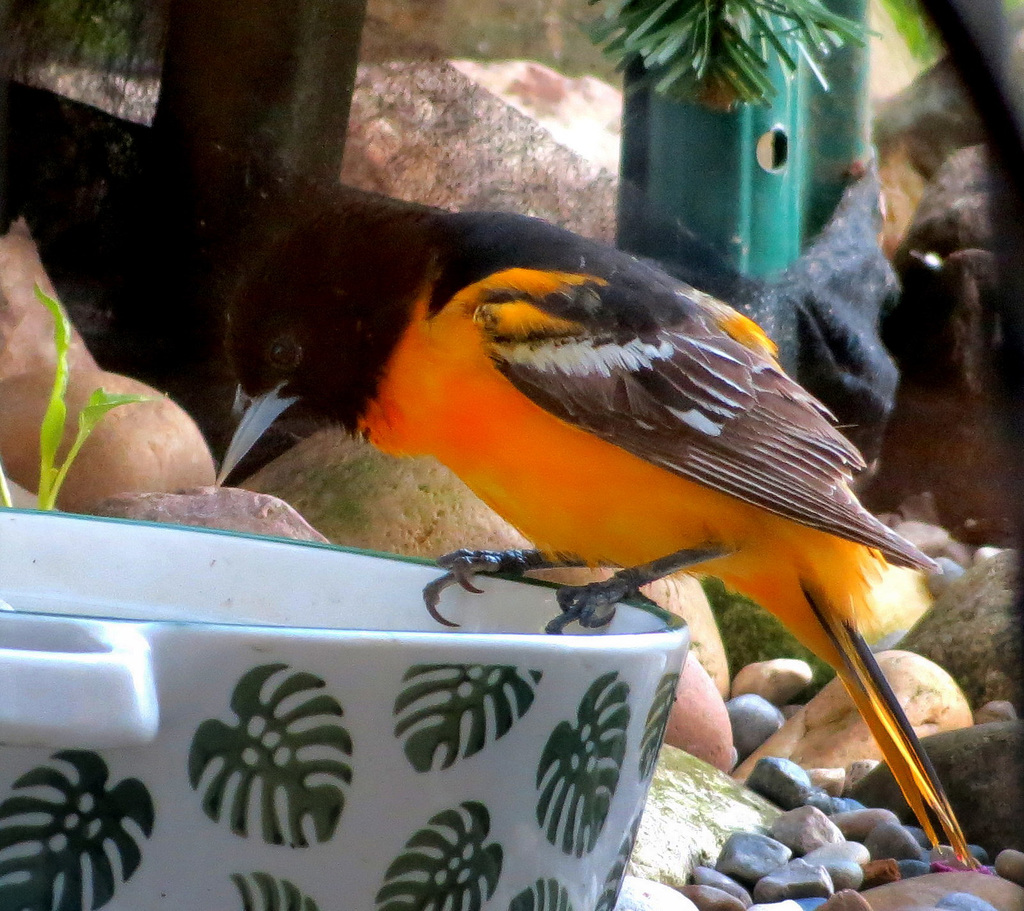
996 710
1010 865
856 825
880 872
708 898
846 900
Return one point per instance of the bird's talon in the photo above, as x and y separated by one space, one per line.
432 597
464 573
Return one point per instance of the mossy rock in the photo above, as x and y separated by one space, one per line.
692 808
751 634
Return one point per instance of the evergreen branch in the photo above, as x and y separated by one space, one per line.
720 48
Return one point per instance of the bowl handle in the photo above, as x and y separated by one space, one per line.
75 683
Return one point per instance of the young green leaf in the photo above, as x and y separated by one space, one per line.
5 490
100 402
51 432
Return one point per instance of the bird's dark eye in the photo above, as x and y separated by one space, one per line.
284 352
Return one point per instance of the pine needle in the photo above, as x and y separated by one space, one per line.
691 48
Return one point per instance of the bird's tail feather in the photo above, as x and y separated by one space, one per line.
887 721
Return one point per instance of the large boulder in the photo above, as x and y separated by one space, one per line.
691 811
973 632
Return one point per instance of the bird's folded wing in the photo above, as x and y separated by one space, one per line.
685 383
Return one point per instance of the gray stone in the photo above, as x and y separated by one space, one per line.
856 825
919 836
948 571
845 805
691 811
708 898
979 768
843 862
754 719
890 839
996 710
910 868
1010 865
708 876
963 901
749 856
782 781
825 802
797 879
845 851
804 829
856 771
788 905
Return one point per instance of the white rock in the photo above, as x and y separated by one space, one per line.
986 553
646 895
831 781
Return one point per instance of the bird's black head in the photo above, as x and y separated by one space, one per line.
321 313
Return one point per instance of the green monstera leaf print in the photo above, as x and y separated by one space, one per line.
543 895
579 768
67 840
263 892
613 881
446 865
450 711
286 761
657 719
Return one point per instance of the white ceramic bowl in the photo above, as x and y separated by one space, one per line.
206 721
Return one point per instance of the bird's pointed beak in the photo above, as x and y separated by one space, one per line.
259 414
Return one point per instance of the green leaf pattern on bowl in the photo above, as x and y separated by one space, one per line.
446 865
263 892
65 822
657 720
613 881
579 768
280 714
448 712
544 895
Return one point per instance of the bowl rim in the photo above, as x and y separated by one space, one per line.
673 623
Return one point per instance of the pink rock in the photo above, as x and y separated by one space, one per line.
698 722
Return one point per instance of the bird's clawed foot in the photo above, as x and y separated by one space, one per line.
591 605
464 565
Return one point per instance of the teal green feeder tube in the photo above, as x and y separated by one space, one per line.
839 123
754 183
734 178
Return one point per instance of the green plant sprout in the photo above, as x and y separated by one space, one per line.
51 431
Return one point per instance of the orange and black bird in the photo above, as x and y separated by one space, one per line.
610 412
